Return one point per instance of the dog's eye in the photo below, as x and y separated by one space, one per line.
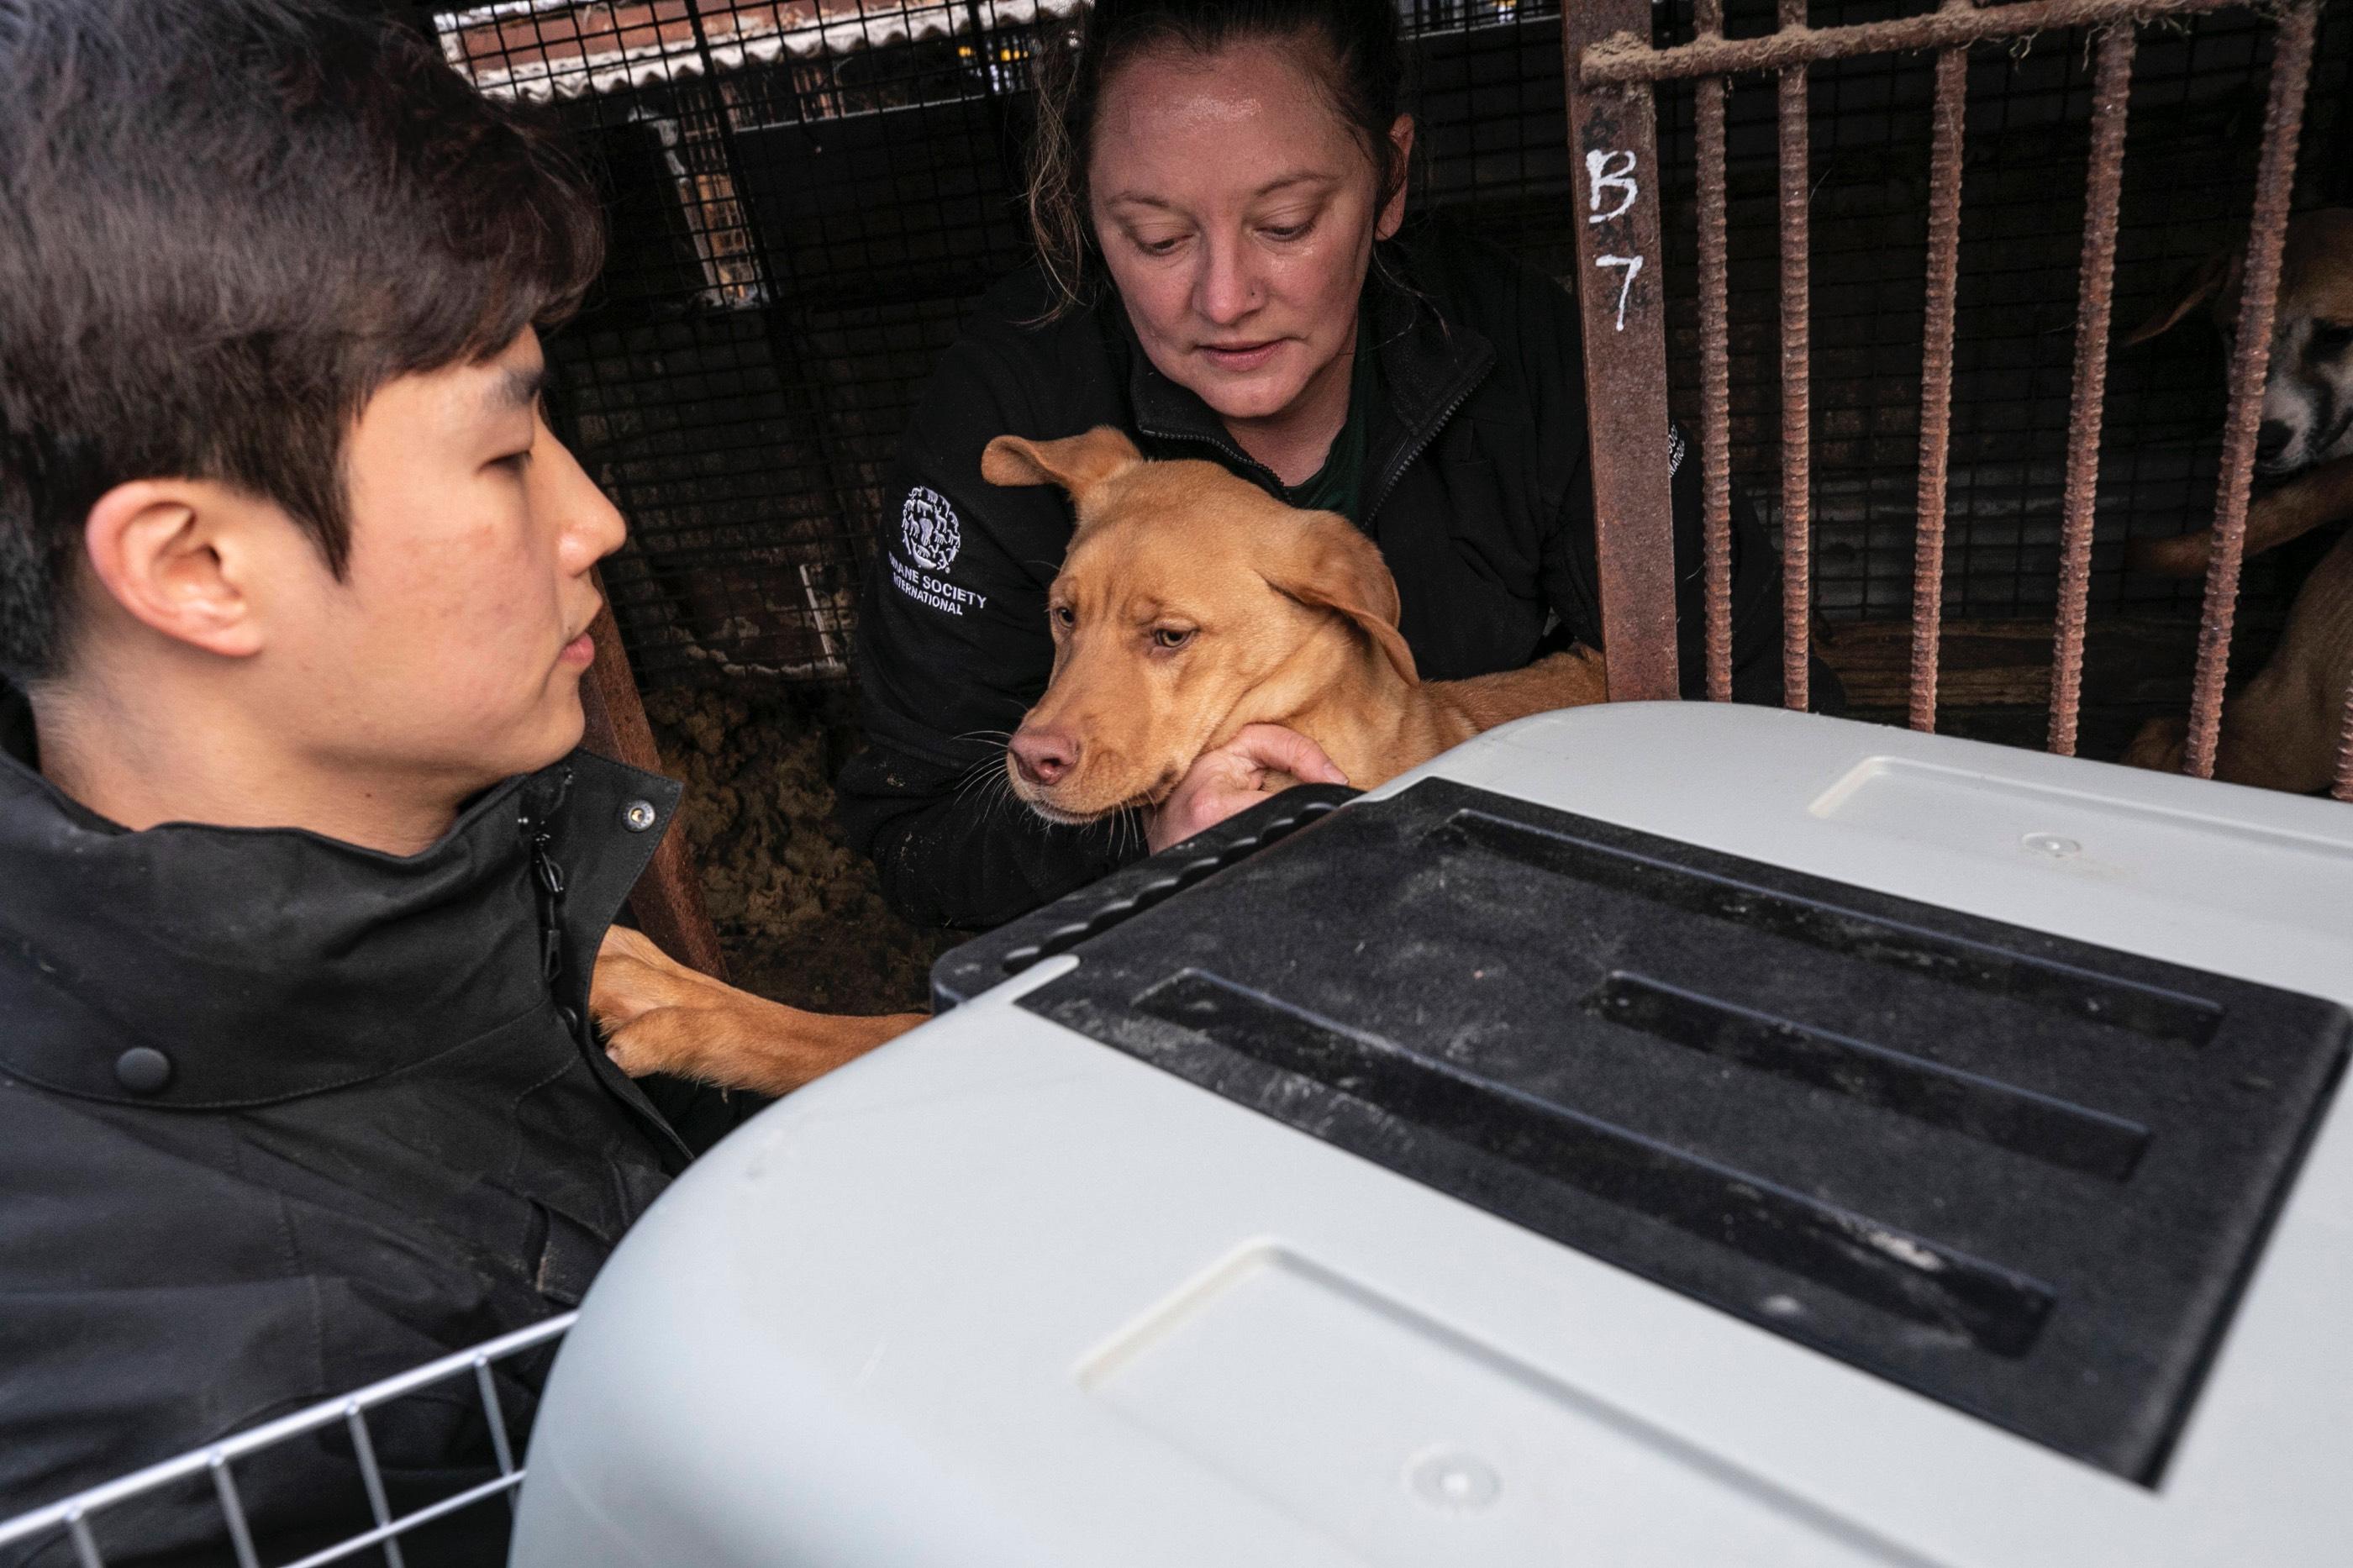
2332 337
1171 637
1065 616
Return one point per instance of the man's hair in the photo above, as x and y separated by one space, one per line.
223 224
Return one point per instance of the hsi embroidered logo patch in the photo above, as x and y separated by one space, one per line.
930 535
927 525
1675 449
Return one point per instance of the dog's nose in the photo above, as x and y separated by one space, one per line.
2272 438
1043 756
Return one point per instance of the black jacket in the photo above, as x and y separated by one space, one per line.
1475 489
280 1116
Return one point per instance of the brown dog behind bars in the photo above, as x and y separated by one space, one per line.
2282 731
1191 603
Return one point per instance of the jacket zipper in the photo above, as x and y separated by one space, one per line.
1236 453
1421 444
547 884
548 890
1413 450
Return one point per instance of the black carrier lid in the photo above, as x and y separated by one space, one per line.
2022 1176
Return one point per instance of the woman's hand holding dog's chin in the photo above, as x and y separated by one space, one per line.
1235 777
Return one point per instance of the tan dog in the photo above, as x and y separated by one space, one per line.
658 1016
2282 731
1191 604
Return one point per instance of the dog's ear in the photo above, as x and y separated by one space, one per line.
1078 463
1332 567
2218 273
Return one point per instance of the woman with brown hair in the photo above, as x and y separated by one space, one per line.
1217 195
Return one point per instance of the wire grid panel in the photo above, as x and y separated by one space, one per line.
806 199
82 1518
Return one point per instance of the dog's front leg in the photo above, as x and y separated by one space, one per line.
2319 495
658 1016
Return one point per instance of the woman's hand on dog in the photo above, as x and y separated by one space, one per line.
1260 761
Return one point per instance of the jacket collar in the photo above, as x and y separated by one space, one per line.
265 963
1429 366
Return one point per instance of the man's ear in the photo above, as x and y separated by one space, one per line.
1079 464
2217 274
1332 567
166 551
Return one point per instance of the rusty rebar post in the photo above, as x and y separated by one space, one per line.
1937 375
668 898
1628 58
1613 150
2249 363
1796 372
1714 368
2343 789
2111 96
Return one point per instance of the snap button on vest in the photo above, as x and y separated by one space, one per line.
639 816
143 1069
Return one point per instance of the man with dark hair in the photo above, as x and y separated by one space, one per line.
300 876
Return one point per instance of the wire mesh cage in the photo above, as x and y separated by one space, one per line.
112 1523
808 196
806 199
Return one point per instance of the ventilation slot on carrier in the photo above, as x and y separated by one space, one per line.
2020 1174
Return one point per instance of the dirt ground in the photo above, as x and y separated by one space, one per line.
795 907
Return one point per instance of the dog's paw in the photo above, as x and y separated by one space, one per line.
1579 676
643 1001
2158 746
663 1040
658 1016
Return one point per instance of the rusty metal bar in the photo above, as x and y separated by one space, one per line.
668 899
2111 94
2343 789
1613 148
1714 371
1937 374
2249 363
1629 57
1797 377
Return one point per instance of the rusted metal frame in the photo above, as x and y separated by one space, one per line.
2249 363
2343 789
668 899
2111 95
1797 377
1937 374
1613 149
1629 57
1714 370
